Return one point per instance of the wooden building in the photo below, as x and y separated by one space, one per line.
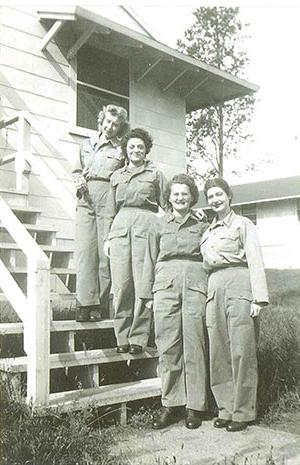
57 68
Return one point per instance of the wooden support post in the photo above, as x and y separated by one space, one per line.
37 327
51 33
24 148
123 414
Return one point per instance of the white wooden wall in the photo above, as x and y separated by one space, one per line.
279 233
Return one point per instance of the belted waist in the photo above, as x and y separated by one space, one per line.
153 209
185 258
98 178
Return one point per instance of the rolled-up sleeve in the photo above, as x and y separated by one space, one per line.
255 262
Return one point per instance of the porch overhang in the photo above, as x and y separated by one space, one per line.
201 85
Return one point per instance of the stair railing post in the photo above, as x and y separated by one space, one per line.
24 148
37 327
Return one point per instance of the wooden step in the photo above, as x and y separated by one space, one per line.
26 209
36 227
46 248
107 395
23 270
78 358
59 326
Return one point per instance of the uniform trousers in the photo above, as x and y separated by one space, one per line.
128 240
232 343
179 317
92 266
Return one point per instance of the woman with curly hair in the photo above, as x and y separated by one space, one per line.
136 192
174 278
99 158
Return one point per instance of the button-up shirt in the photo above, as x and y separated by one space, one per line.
171 240
141 188
233 241
99 158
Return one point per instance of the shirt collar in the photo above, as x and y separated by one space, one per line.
171 217
101 141
227 221
147 166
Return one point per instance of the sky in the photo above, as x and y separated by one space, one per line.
273 49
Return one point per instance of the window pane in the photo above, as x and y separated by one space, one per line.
90 102
102 69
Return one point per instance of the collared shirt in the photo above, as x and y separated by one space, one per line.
233 241
141 188
172 240
101 157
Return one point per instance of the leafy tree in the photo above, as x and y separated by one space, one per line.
216 37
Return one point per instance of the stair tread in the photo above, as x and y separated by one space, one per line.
56 270
107 395
78 358
49 248
59 326
36 227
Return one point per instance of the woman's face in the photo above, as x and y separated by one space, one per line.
136 151
218 201
110 126
180 198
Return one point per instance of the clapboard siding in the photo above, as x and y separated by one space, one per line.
14 38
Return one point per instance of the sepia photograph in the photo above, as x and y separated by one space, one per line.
149 233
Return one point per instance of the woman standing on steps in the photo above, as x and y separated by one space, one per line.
99 158
136 192
237 290
174 277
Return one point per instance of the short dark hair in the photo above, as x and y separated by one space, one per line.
140 134
218 182
118 111
182 178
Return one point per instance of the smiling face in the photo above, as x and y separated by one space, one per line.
180 198
110 126
136 151
218 201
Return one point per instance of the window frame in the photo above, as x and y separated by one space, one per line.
73 81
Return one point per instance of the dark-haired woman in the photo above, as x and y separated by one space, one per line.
136 192
99 158
174 277
237 290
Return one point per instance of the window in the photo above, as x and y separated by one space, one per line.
250 212
102 78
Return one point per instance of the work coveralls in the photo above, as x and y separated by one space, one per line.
102 158
174 274
132 205
232 254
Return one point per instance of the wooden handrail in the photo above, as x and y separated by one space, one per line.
36 307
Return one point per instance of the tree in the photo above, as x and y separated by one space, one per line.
213 134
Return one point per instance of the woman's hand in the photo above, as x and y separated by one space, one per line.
106 247
149 304
255 309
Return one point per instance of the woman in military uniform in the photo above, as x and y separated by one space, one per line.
237 290
136 192
174 276
99 158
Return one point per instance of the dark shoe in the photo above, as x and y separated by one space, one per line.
82 314
166 417
193 419
135 349
123 349
220 423
95 316
234 426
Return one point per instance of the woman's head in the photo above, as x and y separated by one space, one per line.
113 121
136 145
218 195
181 193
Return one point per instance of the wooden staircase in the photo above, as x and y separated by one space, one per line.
65 353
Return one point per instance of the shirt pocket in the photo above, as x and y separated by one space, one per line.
229 242
168 242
